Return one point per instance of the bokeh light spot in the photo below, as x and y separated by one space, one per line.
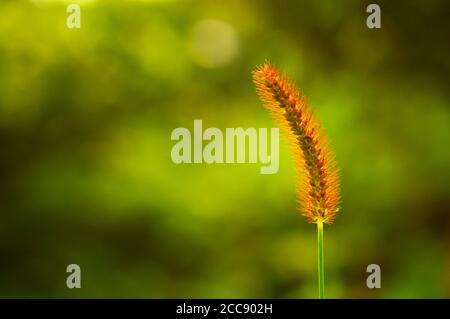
213 43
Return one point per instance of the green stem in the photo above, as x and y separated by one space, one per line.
320 258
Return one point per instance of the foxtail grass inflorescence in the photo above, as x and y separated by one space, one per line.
318 190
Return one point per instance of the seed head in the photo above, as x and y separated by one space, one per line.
318 191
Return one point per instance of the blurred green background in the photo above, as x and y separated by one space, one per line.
86 175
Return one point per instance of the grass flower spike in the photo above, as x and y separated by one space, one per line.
318 190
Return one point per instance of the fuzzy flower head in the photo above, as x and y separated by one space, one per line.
318 191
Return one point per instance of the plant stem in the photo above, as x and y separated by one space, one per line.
320 258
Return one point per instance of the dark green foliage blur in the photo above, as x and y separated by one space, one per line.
86 176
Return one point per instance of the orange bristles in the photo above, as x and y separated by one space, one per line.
319 188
